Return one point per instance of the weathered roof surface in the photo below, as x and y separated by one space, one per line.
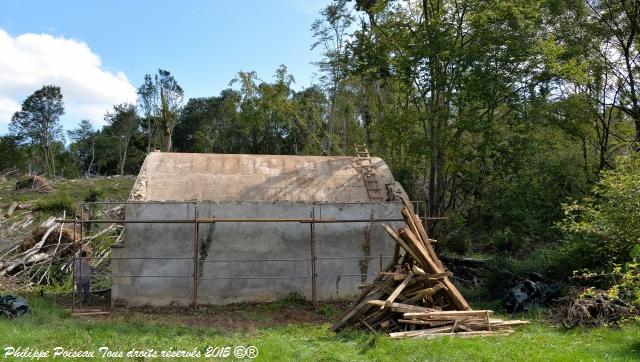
225 177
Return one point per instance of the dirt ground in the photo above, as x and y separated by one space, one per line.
245 317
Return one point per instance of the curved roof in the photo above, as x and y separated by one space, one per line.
234 177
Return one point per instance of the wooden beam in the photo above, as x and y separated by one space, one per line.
398 290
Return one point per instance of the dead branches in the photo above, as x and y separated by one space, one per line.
591 310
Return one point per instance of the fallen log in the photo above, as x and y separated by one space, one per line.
11 209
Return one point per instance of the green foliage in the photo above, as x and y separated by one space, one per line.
292 299
94 194
328 311
38 123
50 326
604 231
627 285
56 205
456 234
605 227
12 154
555 262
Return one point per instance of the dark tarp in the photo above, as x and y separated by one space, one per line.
531 292
12 306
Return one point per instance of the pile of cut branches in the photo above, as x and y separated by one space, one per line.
51 246
33 183
591 309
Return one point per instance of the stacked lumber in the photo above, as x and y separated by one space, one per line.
414 296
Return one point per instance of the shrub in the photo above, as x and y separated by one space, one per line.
605 227
604 231
56 205
94 195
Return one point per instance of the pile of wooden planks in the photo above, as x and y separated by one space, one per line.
414 297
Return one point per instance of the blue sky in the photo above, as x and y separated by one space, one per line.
94 48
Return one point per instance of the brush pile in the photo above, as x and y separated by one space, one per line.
414 296
592 309
34 256
33 183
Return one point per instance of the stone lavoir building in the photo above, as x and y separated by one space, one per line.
261 260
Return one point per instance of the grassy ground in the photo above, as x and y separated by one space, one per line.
286 330
50 326
113 188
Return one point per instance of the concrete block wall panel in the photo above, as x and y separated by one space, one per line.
242 244
154 281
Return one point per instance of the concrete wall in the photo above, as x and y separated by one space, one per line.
230 271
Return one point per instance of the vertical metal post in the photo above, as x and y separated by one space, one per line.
73 270
195 260
380 270
81 248
314 275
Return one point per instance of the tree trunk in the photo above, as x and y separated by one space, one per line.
167 139
93 156
122 161
149 131
637 139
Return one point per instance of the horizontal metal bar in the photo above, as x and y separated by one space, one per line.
134 202
288 277
357 257
327 221
152 276
251 260
242 260
296 259
137 258
126 221
346 275
217 220
137 202
257 278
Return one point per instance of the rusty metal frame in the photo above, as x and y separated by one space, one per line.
196 221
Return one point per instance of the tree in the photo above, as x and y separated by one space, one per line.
617 24
147 100
84 146
161 98
13 154
38 123
331 32
122 125
210 124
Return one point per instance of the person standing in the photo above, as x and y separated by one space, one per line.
82 272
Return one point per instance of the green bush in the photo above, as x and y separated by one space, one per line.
604 231
554 262
94 194
604 228
56 205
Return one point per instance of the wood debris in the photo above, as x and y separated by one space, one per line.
414 296
591 308
50 245
11 209
33 183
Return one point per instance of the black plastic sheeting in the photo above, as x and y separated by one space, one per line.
529 293
12 306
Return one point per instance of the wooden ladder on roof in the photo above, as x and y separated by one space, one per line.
368 173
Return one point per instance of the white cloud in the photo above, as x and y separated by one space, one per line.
29 61
7 107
